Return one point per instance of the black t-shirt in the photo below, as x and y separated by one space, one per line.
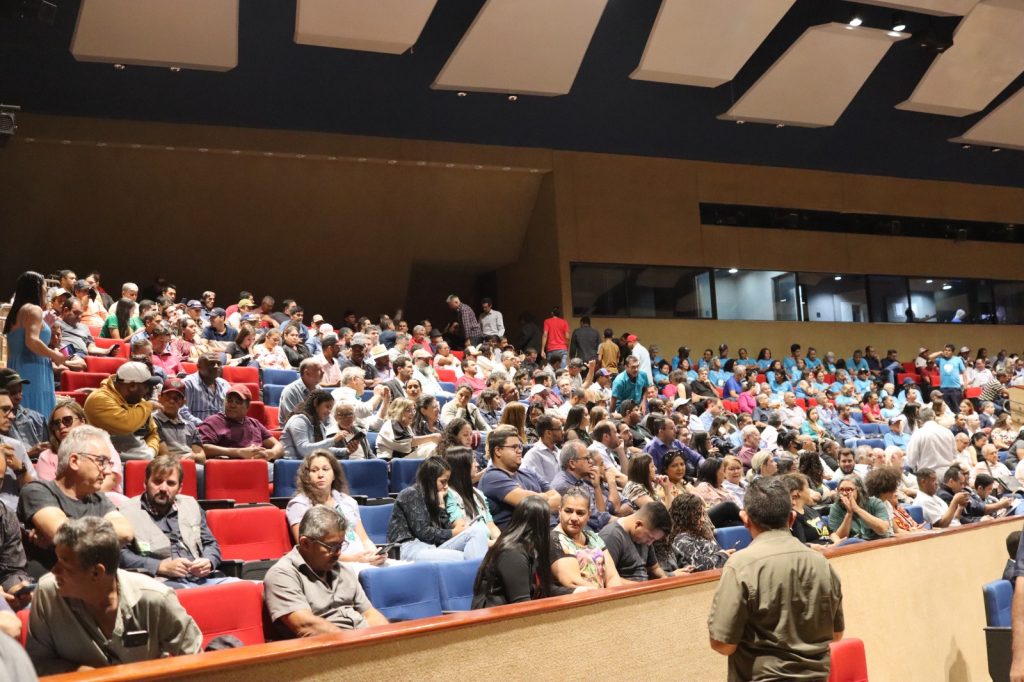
631 560
811 528
39 495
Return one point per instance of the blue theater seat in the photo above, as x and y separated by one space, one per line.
279 377
284 476
403 592
456 581
272 394
366 477
375 518
734 537
998 601
916 513
403 472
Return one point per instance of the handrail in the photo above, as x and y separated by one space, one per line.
194 666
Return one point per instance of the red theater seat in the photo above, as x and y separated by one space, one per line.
250 533
135 478
244 481
227 609
849 663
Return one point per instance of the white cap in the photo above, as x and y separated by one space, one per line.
135 373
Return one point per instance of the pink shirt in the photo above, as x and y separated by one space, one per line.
746 402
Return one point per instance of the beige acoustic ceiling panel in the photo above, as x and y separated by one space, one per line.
816 79
938 8
987 55
189 34
531 47
1003 128
696 42
391 26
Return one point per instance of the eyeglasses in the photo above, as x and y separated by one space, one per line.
64 421
588 458
331 549
342 415
6 409
517 448
102 461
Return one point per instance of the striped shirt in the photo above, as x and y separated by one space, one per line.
202 401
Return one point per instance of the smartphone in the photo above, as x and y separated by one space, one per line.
359 436
135 638
384 549
24 590
66 351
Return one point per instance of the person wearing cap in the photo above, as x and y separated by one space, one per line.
244 306
295 393
357 358
353 385
630 384
178 436
26 426
119 407
424 373
219 332
234 434
16 468
381 363
637 351
327 358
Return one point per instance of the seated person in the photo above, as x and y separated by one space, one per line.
691 545
12 561
321 482
17 467
856 515
629 541
234 435
305 429
937 511
77 338
293 395
505 483
882 483
464 500
165 355
120 407
26 425
1012 546
396 438
420 523
954 481
44 506
461 407
172 540
809 527
517 568
578 555
81 622
583 471
177 436
308 591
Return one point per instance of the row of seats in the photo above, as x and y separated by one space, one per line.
245 481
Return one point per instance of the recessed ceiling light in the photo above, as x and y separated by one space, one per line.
996 150
119 67
929 281
513 98
175 69
947 287
856 21
780 125
461 94
739 123
894 34
837 277
899 28
733 271
965 147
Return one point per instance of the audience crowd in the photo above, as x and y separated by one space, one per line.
562 460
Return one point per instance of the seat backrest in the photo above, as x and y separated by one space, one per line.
733 537
916 513
849 664
869 429
280 377
272 394
135 478
103 364
403 592
403 472
250 533
366 477
998 600
73 381
284 476
272 417
447 375
239 480
190 367
371 440
23 617
234 608
375 518
456 579
447 386
871 442
242 375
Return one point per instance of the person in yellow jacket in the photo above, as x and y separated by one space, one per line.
120 407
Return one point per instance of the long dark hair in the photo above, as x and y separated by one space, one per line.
528 531
639 471
450 436
700 443
123 315
708 471
460 461
309 406
574 418
28 290
430 470
420 426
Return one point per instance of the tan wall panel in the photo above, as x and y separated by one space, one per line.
766 186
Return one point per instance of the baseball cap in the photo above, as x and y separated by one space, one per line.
603 372
240 390
537 389
631 338
54 292
82 285
194 304
247 302
964 349
325 329
378 351
174 385
136 373
328 340
10 377
420 353
217 312
318 318
678 402
922 349
250 317
359 340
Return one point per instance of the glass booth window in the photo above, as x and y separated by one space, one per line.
833 297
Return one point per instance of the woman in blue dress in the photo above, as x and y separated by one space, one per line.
29 337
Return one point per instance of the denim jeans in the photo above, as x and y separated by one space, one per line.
469 544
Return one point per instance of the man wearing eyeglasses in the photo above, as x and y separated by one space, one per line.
308 592
83 460
505 483
16 469
582 470
27 426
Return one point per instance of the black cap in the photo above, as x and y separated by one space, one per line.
10 377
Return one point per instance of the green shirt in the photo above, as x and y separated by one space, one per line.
134 325
859 529
780 602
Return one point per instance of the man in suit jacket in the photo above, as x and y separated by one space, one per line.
403 369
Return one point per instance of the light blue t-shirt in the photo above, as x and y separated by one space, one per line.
949 371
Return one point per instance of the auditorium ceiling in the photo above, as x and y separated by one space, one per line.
917 88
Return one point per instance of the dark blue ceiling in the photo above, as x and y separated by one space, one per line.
279 84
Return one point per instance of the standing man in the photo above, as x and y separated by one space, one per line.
951 376
470 326
584 341
608 352
492 323
642 355
779 603
555 341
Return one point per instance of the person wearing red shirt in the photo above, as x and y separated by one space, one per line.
555 343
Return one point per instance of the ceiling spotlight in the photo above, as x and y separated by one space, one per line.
929 281
119 67
461 94
513 98
739 123
392 162
837 277
947 287
899 24
733 271
995 150
894 34
780 125
856 21
965 147
175 69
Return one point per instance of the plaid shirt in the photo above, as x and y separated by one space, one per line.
202 401
467 320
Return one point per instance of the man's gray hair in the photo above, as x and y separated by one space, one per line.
350 373
419 328
318 522
80 441
926 414
345 403
308 363
92 539
130 286
774 419
749 430
571 451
